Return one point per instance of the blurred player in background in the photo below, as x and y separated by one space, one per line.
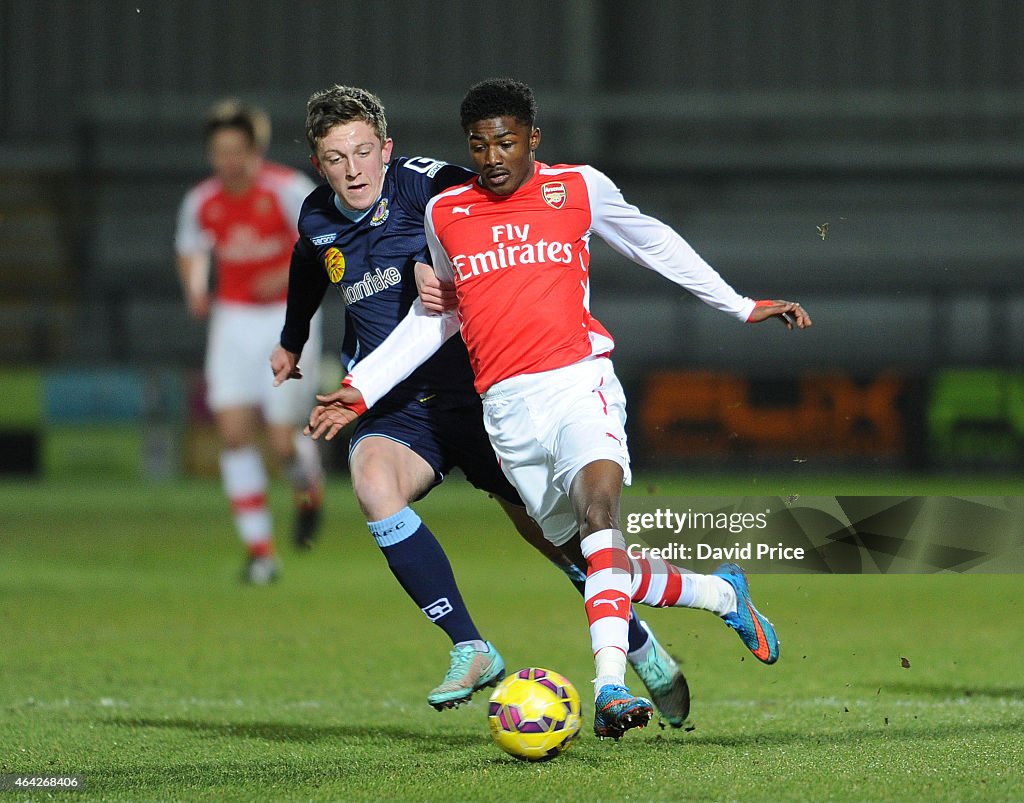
363 232
515 243
244 217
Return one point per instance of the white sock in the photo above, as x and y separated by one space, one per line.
245 483
660 584
610 663
713 594
606 590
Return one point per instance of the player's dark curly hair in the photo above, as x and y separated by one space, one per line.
343 104
498 97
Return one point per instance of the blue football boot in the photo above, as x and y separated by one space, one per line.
616 711
753 628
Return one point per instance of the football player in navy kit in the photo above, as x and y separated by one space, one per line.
363 232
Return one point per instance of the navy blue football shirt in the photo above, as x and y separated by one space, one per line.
370 263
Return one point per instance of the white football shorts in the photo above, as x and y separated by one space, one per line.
545 427
240 340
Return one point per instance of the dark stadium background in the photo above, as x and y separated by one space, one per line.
864 158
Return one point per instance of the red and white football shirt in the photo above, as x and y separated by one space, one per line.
249 234
521 265
521 268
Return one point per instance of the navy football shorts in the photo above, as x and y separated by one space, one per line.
446 438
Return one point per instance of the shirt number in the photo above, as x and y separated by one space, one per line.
421 164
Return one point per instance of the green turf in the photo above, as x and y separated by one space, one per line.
130 654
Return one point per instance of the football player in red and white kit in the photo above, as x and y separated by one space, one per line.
244 217
366 223
515 244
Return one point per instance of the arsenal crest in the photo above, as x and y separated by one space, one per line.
554 194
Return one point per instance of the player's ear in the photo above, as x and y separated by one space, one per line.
534 139
316 165
386 148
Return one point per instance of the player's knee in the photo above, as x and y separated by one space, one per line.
379 490
372 489
600 514
386 477
595 495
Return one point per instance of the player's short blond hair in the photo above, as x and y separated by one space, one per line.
233 113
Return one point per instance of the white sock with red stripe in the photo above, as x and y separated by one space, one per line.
663 585
607 592
245 483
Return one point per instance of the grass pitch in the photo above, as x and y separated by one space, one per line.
130 654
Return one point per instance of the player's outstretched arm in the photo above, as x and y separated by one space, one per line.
410 343
414 340
436 296
789 312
